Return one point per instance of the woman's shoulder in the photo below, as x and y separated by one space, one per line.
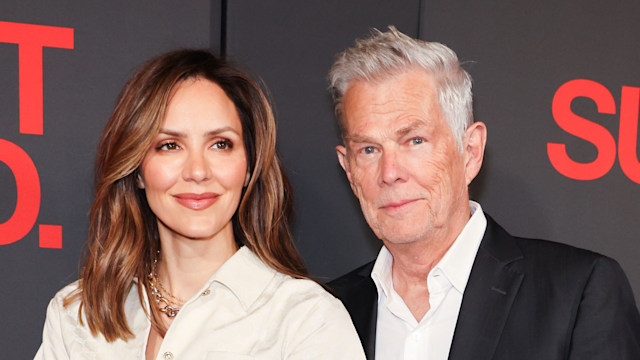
305 285
317 323
67 292
307 293
66 330
257 274
64 303
300 298
74 287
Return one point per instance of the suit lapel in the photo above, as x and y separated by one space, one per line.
488 297
366 315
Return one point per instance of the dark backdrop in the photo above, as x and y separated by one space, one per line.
519 54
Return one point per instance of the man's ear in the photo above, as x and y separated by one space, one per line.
139 181
474 145
341 151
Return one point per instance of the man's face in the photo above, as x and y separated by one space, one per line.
402 160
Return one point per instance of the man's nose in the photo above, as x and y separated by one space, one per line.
391 168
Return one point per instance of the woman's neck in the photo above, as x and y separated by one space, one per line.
185 265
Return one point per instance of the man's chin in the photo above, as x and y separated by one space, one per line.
399 238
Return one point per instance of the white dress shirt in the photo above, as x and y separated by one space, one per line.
246 310
398 334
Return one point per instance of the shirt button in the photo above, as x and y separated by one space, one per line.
167 356
206 292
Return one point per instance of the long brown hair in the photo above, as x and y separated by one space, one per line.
123 235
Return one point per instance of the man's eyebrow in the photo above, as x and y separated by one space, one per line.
358 138
409 128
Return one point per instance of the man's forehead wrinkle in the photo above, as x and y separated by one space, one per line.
392 109
377 111
380 106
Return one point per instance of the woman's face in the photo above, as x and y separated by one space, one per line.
194 173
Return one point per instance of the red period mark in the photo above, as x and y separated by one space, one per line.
30 39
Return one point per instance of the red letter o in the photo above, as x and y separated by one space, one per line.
27 189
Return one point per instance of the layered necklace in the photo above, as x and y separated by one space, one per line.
167 303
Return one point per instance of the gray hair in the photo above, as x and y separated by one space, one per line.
384 54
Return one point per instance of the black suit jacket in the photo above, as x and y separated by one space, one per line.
525 299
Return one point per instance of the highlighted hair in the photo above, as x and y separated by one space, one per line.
123 235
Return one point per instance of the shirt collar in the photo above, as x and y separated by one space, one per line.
455 264
245 275
381 273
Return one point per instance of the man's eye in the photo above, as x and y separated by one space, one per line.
169 146
416 141
368 150
223 145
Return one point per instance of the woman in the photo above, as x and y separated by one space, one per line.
190 254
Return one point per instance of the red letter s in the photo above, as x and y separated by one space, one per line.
583 128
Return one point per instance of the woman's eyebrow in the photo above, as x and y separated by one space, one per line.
180 134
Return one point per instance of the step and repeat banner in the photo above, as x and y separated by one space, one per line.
556 83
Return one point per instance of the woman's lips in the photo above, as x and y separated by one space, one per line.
196 201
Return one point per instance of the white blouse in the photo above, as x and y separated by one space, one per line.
246 310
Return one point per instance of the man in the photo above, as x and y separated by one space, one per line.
449 282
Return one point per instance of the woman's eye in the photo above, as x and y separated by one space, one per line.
416 141
169 146
223 145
